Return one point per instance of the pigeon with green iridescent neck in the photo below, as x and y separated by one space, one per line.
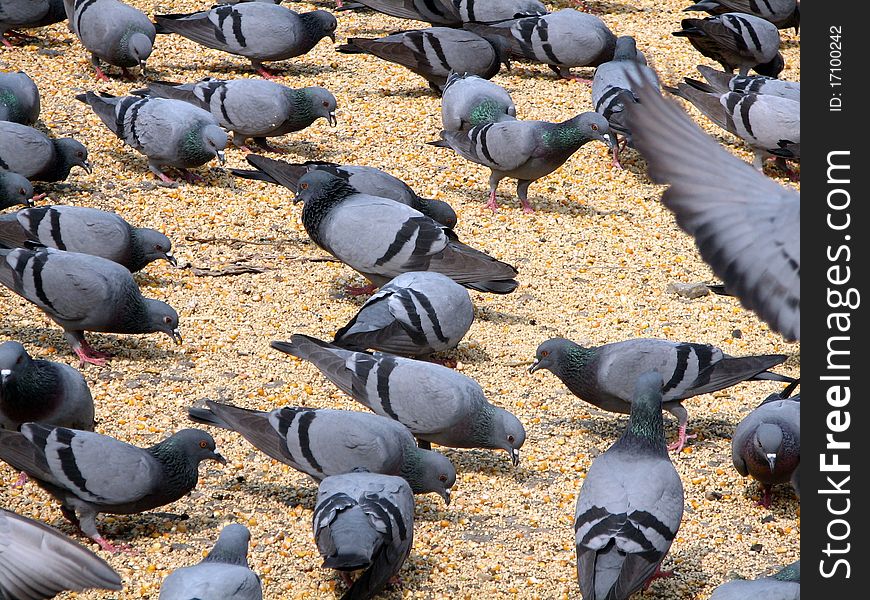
630 505
525 150
19 98
783 585
469 100
605 375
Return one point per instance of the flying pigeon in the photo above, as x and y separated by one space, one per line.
82 293
783 585
19 98
630 504
782 13
89 473
14 189
605 375
34 155
28 14
469 100
723 82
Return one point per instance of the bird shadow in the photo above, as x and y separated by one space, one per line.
127 348
287 494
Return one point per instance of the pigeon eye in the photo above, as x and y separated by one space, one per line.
545 353
79 154
167 320
159 248
511 439
442 478
18 362
203 444
594 127
303 186
326 104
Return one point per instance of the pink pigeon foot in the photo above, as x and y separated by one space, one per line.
659 574
100 75
38 197
766 498
491 204
88 354
6 42
191 177
339 4
108 547
681 441
572 77
450 363
346 578
527 206
22 479
364 290
265 73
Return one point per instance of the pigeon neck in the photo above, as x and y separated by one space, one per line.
301 113
59 168
487 111
482 426
181 473
318 207
133 316
790 573
312 30
227 554
136 259
124 55
31 395
574 365
645 427
412 469
565 136
13 107
193 150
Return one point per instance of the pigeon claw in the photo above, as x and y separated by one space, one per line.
87 355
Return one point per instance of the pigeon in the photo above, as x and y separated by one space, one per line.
436 52
42 391
782 13
367 180
469 100
736 41
14 190
38 562
27 14
19 98
525 150
630 504
784 585
252 108
746 226
723 82
381 238
167 132
564 39
767 443
223 574
87 231
364 521
487 11
259 31
770 125
604 376
453 13
323 442
436 403
414 314
90 473
82 293
611 88
34 155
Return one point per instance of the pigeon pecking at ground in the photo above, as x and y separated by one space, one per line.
783 585
605 375
469 100
19 98
14 190
34 155
782 13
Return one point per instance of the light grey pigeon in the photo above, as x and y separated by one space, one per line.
436 403
19 98
113 32
767 443
564 39
469 100
746 226
630 505
381 238
611 88
87 231
770 125
605 375
323 442
414 314
27 14
452 13
364 521
89 473
41 391
436 52
783 585
723 82
167 132
38 562
252 108
223 574
366 180
34 155
82 293
782 13
14 189
736 41
259 31
525 150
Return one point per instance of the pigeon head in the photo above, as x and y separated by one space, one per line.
14 189
318 184
162 317
594 126
552 354
231 546
427 471
320 24
13 358
139 48
73 154
506 432
150 245
323 103
772 68
440 211
194 444
626 48
502 50
768 441
214 140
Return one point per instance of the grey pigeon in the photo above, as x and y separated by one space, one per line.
736 41
91 473
41 391
525 150
364 521
436 403
19 98
34 155
14 189
453 13
436 52
783 585
612 88
770 125
723 82
767 443
782 13
414 314
469 100
252 107
381 238
367 180
112 32
564 39
605 375
87 231
82 293
630 505
223 574
259 31
38 562
28 14
167 132
323 442
746 226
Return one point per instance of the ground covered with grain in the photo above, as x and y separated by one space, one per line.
595 261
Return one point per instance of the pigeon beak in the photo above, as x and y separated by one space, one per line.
219 458
771 460
4 375
87 167
446 495
331 36
28 202
172 260
176 337
608 139
142 68
515 456
222 158
332 120
535 366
